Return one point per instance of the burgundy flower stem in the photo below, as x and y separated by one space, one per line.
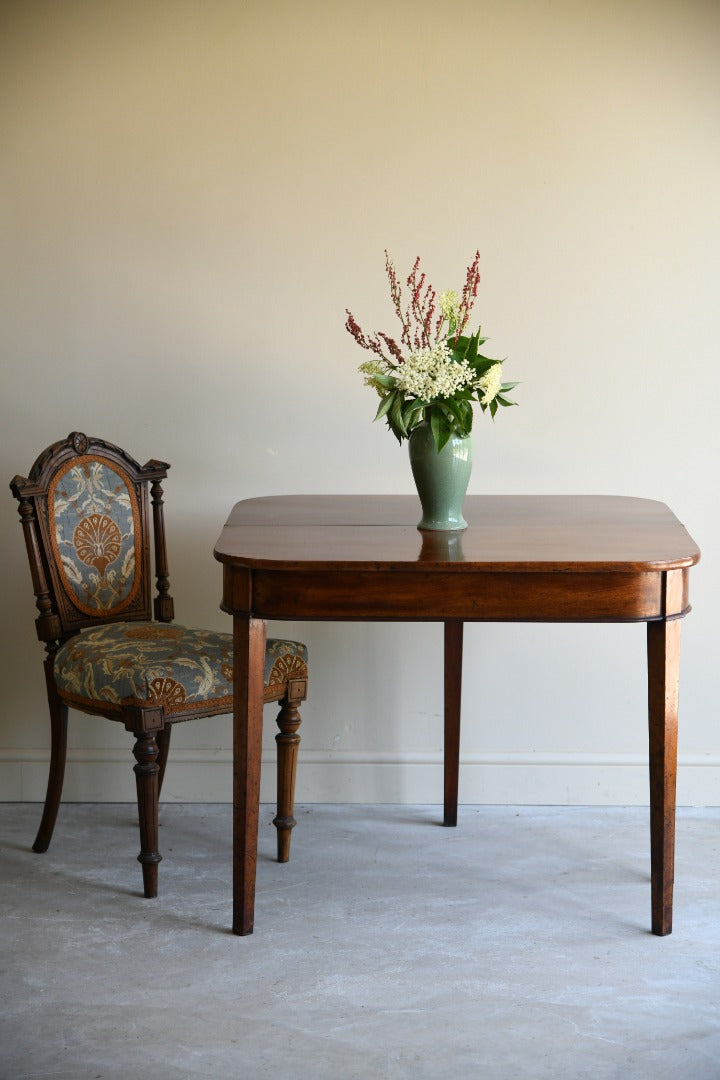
372 344
396 297
418 319
422 305
469 293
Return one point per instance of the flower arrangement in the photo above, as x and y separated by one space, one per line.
435 372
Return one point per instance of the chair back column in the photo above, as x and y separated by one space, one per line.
47 623
163 605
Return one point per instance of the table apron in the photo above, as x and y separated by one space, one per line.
474 596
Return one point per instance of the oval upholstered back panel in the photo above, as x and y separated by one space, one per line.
94 521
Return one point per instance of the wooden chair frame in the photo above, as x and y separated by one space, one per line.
59 619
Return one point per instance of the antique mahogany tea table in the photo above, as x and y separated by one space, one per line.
522 558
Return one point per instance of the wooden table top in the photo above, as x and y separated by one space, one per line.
505 533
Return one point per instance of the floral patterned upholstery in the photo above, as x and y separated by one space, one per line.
182 668
94 510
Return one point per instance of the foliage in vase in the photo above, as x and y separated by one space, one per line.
435 371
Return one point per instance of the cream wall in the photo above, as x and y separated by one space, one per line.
191 194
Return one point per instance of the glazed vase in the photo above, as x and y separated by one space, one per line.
441 478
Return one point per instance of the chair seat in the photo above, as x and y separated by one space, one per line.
187 670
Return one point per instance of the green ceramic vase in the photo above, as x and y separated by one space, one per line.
441 478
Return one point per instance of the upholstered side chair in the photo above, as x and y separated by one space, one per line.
84 510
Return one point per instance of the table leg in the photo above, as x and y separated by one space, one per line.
663 650
453 693
249 663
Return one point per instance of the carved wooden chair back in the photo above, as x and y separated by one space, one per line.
84 512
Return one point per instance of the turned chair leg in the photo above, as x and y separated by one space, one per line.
58 751
163 742
146 774
288 741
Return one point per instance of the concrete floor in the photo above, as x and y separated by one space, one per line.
516 945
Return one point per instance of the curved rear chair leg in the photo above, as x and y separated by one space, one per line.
58 750
145 724
288 741
163 742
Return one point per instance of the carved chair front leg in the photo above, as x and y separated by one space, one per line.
145 723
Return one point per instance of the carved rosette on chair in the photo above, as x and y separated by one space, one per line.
441 477
84 513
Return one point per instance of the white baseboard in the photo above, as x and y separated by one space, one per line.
370 777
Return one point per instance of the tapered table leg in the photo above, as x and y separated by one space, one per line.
663 650
249 661
453 693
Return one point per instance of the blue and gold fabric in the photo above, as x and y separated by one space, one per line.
179 667
95 532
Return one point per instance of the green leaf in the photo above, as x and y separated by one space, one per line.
460 345
384 405
472 350
396 417
445 433
509 385
457 415
409 410
441 427
395 432
465 348
464 427
436 424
